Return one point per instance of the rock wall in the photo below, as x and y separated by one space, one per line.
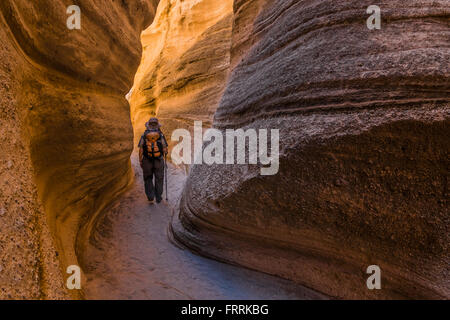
66 134
184 65
363 118
364 126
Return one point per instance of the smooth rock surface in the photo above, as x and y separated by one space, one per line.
364 126
184 65
66 132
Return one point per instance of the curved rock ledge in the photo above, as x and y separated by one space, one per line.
364 120
184 65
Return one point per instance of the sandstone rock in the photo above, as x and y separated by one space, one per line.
363 116
184 64
370 106
63 101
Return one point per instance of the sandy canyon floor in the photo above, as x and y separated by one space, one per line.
130 257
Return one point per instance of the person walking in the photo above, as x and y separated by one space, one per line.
152 149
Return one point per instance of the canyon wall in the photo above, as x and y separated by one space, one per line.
364 125
66 134
363 118
184 65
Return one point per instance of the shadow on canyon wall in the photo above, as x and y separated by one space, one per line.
363 119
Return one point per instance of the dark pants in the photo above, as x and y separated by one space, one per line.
153 167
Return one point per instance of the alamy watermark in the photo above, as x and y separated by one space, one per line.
374 281
74 20
374 21
228 147
74 280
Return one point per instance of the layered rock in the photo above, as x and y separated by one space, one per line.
66 132
184 64
364 125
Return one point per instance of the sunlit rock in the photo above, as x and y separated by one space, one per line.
184 65
66 134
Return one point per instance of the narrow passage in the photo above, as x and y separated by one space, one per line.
130 257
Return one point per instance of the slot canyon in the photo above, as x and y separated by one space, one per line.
363 118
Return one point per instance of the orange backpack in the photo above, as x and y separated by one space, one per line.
152 145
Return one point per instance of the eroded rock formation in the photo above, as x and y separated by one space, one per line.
184 64
364 126
66 135
363 118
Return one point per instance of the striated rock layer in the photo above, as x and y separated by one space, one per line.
65 132
184 65
364 126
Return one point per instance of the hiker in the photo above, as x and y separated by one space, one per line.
152 150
